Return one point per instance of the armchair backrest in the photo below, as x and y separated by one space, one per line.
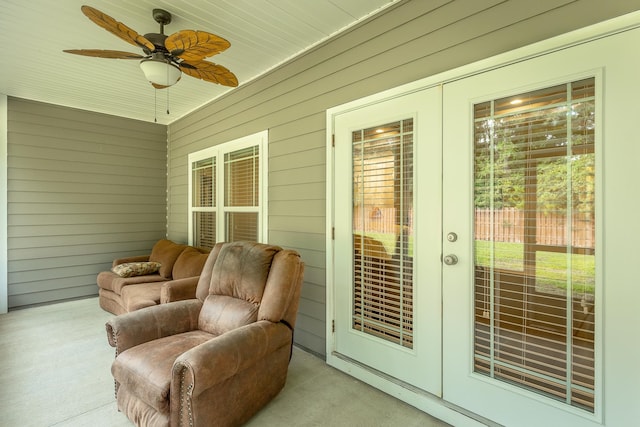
243 282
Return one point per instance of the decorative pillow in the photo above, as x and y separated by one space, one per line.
136 268
166 252
189 263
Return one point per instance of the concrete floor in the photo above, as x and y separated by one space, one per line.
55 371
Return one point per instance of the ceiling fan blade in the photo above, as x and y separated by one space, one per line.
117 28
112 54
210 72
193 45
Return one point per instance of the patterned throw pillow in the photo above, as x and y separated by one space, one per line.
136 268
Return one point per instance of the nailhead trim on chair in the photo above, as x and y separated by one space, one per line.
185 396
189 391
115 383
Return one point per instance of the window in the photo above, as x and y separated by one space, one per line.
535 241
227 192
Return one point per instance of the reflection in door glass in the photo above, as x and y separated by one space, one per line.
382 231
534 197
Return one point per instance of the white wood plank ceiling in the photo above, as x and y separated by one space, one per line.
263 34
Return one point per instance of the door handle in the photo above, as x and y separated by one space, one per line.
450 259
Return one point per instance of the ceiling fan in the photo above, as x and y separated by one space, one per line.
165 57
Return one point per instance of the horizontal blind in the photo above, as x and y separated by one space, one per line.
242 226
242 193
203 202
382 216
535 266
204 229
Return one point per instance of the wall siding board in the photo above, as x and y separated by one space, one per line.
312 241
300 207
304 191
60 208
61 293
302 141
83 188
308 341
104 171
303 159
312 259
60 153
407 42
299 174
94 253
315 292
297 223
115 236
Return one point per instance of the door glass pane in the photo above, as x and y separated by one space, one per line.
534 196
383 230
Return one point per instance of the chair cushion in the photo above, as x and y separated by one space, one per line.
189 263
112 282
221 313
166 252
146 369
141 296
241 270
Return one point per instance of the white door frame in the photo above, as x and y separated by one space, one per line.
424 401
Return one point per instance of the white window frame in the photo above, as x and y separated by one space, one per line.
259 139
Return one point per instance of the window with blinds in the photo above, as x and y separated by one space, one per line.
225 192
382 231
534 196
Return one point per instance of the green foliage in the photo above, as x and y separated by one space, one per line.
526 155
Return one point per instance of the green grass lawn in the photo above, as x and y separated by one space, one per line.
551 267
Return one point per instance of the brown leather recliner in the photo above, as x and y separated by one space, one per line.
217 359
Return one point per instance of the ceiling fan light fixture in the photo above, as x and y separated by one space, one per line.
160 71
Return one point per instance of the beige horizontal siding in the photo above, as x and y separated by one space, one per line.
410 41
83 188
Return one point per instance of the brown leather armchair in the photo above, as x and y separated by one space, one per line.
218 359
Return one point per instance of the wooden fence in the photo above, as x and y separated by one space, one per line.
379 220
551 229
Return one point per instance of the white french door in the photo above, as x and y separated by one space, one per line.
523 347
468 254
387 312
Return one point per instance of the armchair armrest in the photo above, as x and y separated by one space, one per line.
140 326
179 289
137 258
222 357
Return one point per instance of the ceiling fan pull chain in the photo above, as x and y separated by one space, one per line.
155 106
168 93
